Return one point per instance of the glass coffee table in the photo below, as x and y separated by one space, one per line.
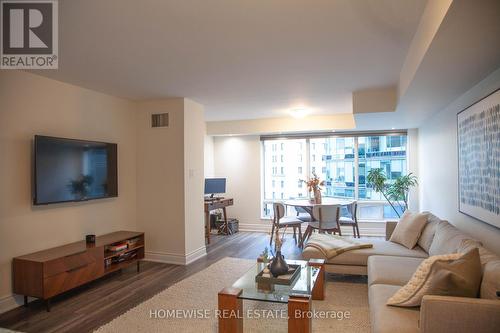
310 284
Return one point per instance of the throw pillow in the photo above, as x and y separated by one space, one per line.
453 274
447 239
428 231
490 263
408 229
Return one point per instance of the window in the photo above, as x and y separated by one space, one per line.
343 162
291 171
338 166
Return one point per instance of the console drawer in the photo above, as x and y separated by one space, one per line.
71 278
71 262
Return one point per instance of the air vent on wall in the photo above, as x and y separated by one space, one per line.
159 120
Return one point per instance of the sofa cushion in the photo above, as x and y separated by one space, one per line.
360 257
391 270
408 229
389 319
490 283
453 274
428 232
490 263
447 239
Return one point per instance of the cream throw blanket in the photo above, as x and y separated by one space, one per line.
333 245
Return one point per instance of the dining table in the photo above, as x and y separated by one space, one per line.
307 205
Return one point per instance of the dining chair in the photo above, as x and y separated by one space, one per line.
327 220
352 220
281 221
302 214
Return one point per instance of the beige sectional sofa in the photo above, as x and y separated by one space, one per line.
390 266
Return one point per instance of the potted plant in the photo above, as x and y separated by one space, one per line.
395 191
314 186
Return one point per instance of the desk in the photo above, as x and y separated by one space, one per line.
214 204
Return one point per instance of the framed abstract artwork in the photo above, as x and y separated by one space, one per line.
478 134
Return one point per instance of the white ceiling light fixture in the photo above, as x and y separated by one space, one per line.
299 113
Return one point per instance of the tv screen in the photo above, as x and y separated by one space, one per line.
215 185
73 170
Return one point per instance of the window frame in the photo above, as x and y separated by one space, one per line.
308 136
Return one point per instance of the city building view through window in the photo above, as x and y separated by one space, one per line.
343 162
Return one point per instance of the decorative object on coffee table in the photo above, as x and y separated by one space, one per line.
264 256
286 279
278 264
478 129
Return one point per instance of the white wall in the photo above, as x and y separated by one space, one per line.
238 159
194 217
439 165
160 179
209 157
412 165
170 180
29 105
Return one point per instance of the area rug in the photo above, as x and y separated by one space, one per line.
195 298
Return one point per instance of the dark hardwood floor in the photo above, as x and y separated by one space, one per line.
89 307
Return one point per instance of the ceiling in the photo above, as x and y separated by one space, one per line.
242 59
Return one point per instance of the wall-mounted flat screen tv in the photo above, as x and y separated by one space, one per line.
68 170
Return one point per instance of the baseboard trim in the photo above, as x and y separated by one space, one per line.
254 227
196 254
364 231
9 302
176 258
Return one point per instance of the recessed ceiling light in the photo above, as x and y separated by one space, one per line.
299 113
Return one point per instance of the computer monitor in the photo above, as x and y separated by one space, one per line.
215 185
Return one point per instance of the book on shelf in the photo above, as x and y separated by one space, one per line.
118 247
133 242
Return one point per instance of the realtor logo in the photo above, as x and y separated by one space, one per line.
29 35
